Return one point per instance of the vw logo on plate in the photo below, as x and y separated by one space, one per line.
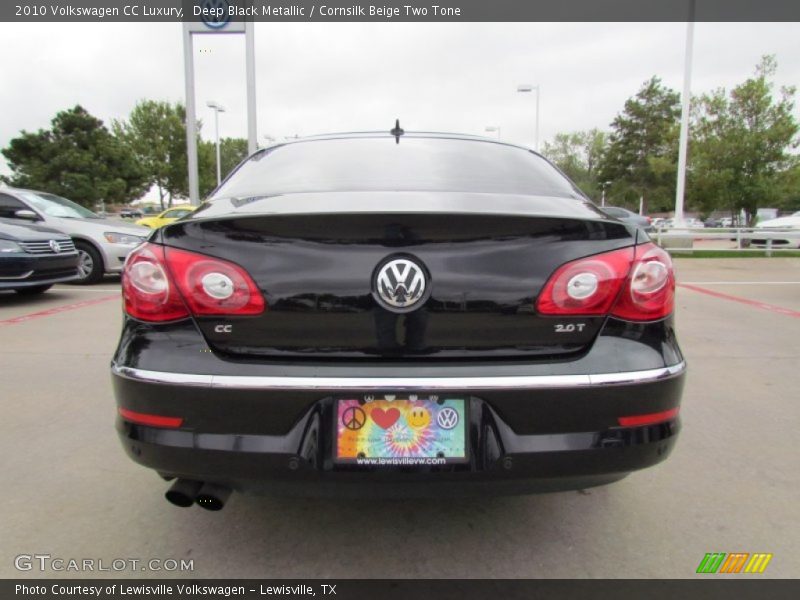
400 284
447 418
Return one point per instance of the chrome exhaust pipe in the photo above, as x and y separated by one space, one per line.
212 496
183 492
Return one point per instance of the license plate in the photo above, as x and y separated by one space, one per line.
401 430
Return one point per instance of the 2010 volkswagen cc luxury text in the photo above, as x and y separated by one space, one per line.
396 314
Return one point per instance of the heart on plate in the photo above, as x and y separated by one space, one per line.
385 418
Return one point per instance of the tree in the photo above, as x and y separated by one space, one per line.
77 158
641 157
578 154
156 133
741 155
232 152
206 167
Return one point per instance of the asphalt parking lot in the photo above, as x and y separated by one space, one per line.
730 486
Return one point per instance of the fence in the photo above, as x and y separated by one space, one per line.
681 240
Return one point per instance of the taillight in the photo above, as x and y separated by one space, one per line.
212 286
636 284
165 284
649 293
587 286
147 289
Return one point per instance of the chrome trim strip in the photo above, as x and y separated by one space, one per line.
518 382
17 277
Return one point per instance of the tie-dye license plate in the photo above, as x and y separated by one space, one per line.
404 431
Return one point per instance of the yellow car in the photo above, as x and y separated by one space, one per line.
168 216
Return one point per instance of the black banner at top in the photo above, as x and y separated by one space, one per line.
217 13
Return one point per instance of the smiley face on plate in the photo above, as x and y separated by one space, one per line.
418 417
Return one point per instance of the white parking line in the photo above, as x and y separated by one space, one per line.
741 282
93 290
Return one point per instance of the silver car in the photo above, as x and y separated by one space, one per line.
102 244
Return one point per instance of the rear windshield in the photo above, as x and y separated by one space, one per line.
615 212
381 164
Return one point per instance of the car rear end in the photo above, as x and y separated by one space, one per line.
260 351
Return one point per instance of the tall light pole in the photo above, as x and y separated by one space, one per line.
527 87
603 187
683 144
493 129
217 108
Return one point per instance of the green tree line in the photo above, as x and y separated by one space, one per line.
741 152
82 159
741 149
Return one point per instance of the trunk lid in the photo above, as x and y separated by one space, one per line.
316 266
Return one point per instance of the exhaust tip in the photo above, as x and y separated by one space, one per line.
183 492
212 496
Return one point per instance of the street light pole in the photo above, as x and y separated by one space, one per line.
680 188
218 108
603 187
527 87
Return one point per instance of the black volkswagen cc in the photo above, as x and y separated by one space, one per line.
396 314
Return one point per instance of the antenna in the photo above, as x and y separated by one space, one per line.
397 131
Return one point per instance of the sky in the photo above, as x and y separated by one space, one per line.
328 77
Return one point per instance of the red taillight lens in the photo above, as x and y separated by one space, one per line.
165 284
212 286
649 293
636 284
588 286
148 292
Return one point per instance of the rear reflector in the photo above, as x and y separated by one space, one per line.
151 420
649 419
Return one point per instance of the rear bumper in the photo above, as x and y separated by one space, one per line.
526 433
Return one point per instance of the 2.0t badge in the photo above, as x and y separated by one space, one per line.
400 284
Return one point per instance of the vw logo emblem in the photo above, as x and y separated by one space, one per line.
400 284
447 418
55 246
217 16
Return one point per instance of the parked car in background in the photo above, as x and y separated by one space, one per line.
130 213
33 258
694 223
396 314
792 223
628 216
712 222
658 222
168 216
102 244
